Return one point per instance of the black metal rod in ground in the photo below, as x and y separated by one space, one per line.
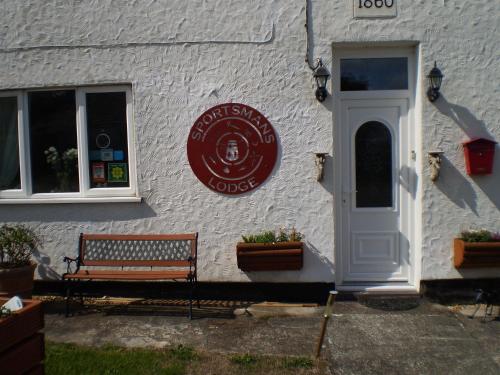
326 317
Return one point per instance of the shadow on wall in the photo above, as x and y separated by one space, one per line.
77 212
472 127
451 182
456 187
314 262
489 184
408 179
44 270
327 182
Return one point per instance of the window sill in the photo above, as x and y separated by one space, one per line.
60 200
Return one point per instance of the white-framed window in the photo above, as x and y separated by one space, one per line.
67 145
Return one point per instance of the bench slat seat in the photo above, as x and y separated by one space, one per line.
129 275
173 256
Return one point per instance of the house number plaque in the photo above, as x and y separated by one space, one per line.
232 148
374 8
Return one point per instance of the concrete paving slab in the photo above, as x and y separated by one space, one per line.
361 338
282 311
432 341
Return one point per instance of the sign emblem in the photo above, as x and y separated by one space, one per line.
232 148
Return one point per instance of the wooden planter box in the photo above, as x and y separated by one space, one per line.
21 344
476 254
17 281
280 256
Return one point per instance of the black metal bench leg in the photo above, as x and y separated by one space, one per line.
161 290
68 296
197 293
197 298
82 303
191 302
190 316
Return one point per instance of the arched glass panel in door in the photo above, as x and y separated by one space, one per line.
373 144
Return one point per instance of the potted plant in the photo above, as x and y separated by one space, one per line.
17 244
477 248
270 251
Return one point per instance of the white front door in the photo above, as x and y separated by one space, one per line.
375 160
376 194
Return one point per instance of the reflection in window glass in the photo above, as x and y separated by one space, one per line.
374 74
54 156
373 165
107 139
9 145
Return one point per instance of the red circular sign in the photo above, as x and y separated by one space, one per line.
232 148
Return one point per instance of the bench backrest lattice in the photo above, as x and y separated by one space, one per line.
148 250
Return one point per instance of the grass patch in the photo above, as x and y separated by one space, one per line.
297 362
245 360
109 360
71 359
183 353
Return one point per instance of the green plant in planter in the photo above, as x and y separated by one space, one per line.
295 236
17 244
481 235
477 248
283 235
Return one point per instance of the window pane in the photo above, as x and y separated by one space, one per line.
9 145
107 139
54 158
373 165
374 74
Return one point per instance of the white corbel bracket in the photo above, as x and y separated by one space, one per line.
435 163
320 159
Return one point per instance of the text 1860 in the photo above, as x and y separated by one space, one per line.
376 3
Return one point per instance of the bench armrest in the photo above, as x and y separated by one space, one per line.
192 265
69 261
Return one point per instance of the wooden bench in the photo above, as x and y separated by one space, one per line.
159 256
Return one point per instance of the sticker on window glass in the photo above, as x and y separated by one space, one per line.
102 140
95 155
117 172
98 174
118 155
107 154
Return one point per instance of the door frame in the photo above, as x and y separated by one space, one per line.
350 50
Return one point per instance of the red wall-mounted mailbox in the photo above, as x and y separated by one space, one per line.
479 154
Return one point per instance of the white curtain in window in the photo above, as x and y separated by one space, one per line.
9 149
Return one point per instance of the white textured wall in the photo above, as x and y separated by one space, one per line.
184 57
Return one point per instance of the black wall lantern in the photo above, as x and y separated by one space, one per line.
321 76
435 78
320 73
